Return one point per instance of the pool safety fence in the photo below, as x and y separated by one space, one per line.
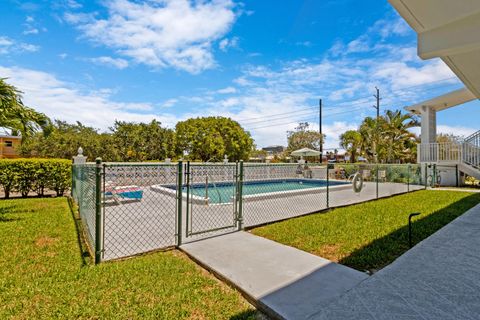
133 208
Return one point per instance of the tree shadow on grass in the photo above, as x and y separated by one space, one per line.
247 314
8 210
385 250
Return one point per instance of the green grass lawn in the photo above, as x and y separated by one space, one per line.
43 275
371 235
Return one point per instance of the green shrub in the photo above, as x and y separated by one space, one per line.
8 177
26 175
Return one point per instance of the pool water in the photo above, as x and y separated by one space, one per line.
223 192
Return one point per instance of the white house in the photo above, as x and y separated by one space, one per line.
449 30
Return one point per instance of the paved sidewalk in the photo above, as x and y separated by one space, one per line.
437 279
284 281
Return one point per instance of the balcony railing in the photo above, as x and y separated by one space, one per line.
440 152
449 153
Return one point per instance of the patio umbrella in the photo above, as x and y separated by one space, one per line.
305 152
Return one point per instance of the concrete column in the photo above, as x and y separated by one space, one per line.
429 125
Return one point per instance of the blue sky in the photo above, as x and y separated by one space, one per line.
263 63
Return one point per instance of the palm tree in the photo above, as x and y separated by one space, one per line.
17 117
387 139
369 143
397 135
351 141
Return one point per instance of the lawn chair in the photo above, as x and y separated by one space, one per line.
122 193
382 175
366 175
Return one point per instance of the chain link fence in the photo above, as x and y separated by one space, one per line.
132 208
83 192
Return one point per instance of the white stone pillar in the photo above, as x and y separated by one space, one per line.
429 125
79 158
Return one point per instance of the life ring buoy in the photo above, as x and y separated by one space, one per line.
357 182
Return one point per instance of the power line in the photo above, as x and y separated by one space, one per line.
354 102
306 119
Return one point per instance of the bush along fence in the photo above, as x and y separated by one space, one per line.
132 208
35 175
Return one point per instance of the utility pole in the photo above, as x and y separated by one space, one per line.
320 128
377 106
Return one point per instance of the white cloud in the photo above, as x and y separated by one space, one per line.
63 55
227 90
9 46
277 97
169 103
226 44
31 31
455 130
62 100
31 26
112 62
167 33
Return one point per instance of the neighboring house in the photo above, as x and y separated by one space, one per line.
8 146
274 150
448 30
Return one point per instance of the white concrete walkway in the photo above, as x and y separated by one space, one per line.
282 281
437 279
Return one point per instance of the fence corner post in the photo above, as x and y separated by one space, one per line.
72 188
240 197
98 211
376 178
179 202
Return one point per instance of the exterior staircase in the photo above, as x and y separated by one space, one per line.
464 154
470 163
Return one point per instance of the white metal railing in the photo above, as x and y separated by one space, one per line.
467 151
440 152
471 150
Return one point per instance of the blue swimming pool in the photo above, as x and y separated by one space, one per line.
223 192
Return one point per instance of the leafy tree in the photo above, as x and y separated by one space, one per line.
448 138
65 139
143 141
210 138
351 141
302 137
16 116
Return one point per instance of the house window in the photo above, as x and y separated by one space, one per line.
8 143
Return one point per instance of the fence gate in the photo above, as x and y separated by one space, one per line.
212 203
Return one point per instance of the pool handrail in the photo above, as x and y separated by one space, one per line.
214 185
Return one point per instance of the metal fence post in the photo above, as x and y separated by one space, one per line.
456 176
426 176
240 198
72 189
187 209
328 183
179 202
98 212
408 178
376 175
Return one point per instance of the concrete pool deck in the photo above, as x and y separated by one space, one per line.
286 282
140 226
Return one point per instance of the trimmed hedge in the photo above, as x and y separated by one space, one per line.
38 175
